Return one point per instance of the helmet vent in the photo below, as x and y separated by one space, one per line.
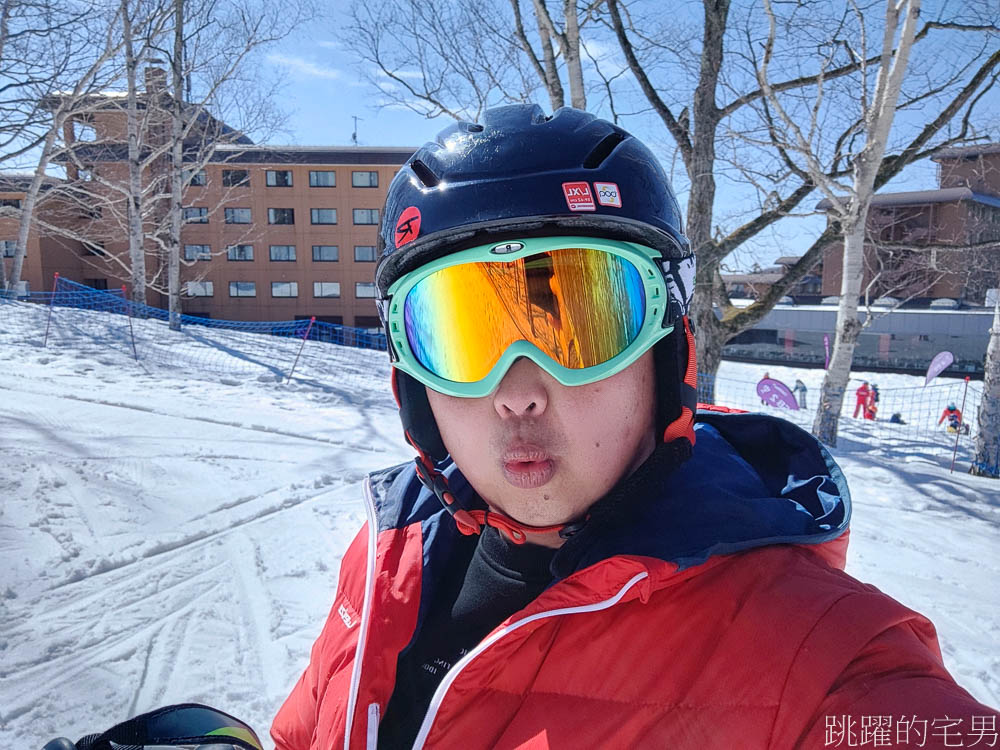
425 173
603 150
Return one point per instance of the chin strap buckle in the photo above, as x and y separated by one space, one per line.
471 522
436 482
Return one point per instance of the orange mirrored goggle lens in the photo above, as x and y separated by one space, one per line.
579 306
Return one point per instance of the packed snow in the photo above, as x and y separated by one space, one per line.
170 534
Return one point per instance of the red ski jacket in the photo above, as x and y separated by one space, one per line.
719 617
948 413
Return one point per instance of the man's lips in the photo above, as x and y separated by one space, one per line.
527 466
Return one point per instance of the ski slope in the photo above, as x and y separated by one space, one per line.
175 535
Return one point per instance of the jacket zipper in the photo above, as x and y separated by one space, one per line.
373 711
352 699
462 663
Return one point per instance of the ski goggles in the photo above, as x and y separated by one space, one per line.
580 308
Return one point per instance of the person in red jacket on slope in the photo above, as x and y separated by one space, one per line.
862 396
579 557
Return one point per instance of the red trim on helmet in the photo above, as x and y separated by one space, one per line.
683 426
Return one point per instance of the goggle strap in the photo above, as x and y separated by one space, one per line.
683 426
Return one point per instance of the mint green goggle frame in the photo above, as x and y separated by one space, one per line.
646 282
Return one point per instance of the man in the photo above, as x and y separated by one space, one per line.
572 562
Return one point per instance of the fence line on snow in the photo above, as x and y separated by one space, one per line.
332 356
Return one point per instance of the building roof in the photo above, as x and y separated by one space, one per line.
918 197
270 154
962 152
762 277
787 260
19 182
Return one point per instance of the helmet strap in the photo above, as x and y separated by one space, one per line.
471 522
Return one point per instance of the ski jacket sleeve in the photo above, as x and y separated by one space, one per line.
894 689
296 721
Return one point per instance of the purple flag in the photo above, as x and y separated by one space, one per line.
826 345
775 393
939 364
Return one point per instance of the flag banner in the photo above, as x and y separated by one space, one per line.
775 393
939 364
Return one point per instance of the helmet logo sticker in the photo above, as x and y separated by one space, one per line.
408 226
608 194
578 196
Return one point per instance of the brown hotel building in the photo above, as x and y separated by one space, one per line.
270 232
282 233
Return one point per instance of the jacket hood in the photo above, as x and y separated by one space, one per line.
753 480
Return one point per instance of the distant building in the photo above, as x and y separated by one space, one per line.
937 252
923 246
270 233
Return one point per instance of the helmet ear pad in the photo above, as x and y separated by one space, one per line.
419 425
670 357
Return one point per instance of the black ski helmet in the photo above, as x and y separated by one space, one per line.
520 173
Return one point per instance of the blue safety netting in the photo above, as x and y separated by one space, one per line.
323 352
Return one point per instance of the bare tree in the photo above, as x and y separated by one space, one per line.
986 461
173 131
692 83
88 73
456 57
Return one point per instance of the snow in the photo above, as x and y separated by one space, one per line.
174 534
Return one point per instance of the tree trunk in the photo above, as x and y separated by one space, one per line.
553 85
571 50
176 171
986 461
700 165
831 397
31 198
136 251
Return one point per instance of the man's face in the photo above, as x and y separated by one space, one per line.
542 452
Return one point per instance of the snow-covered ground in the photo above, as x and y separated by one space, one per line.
175 535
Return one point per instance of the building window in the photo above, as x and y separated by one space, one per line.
279 178
366 216
281 216
235 177
195 178
85 174
197 252
364 289
323 215
196 215
242 289
237 215
283 252
284 289
239 252
10 202
364 253
322 178
8 247
199 289
364 179
326 253
326 289
99 284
